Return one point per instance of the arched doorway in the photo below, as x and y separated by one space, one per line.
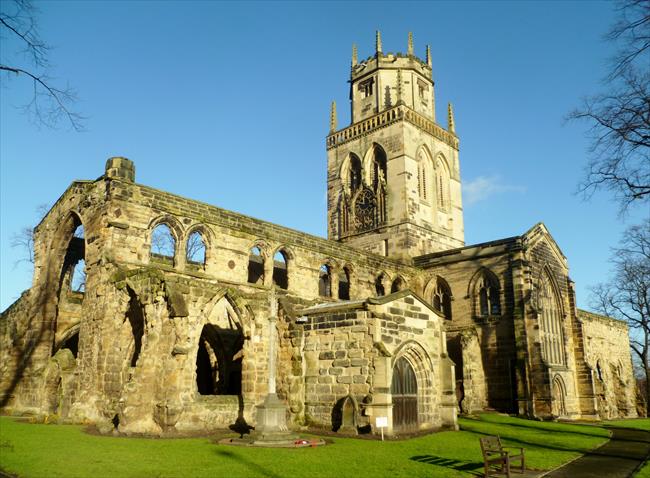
404 389
558 405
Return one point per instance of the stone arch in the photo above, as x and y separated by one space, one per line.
376 154
176 231
421 365
558 394
351 174
281 271
257 258
345 282
345 415
208 241
399 283
484 289
70 340
67 250
220 347
439 293
326 273
381 283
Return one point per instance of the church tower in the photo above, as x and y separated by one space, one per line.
393 178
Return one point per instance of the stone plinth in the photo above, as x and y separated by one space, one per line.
271 427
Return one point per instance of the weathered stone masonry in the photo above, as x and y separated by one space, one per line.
148 312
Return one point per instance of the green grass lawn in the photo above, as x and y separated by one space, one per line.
38 450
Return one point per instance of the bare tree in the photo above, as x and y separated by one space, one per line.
50 103
619 119
627 295
24 239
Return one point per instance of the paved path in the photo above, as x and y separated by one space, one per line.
618 458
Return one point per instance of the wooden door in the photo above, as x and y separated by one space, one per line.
404 389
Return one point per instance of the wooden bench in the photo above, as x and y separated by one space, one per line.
496 459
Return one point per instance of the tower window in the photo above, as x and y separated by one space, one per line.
366 88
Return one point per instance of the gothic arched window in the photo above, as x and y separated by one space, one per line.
255 266
486 294
424 175
344 284
280 269
442 184
325 281
379 285
354 174
163 242
550 322
441 299
195 248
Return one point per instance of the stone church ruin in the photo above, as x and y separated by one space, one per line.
149 312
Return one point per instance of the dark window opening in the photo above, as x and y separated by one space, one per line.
344 285
379 286
442 298
325 281
366 88
355 173
71 343
280 274
218 361
136 321
195 249
398 284
488 296
255 266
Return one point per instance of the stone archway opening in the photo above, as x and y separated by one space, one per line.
219 361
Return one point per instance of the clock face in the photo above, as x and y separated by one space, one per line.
364 210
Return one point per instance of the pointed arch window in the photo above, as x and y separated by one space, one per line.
379 285
354 174
487 301
441 299
423 175
344 284
163 243
442 185
398 284
195 249
325 281
280 270
255 266
550 322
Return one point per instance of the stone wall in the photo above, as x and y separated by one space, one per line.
607 354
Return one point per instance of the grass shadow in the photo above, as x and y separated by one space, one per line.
253 467
473 468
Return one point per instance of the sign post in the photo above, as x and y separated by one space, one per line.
381 423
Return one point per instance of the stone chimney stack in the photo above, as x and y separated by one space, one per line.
120 168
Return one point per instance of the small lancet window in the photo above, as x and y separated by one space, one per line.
256 266
325 281
344 284
163 243
195 253
442 298
280 273
379 285
78 279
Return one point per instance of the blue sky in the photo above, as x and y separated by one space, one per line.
228 103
